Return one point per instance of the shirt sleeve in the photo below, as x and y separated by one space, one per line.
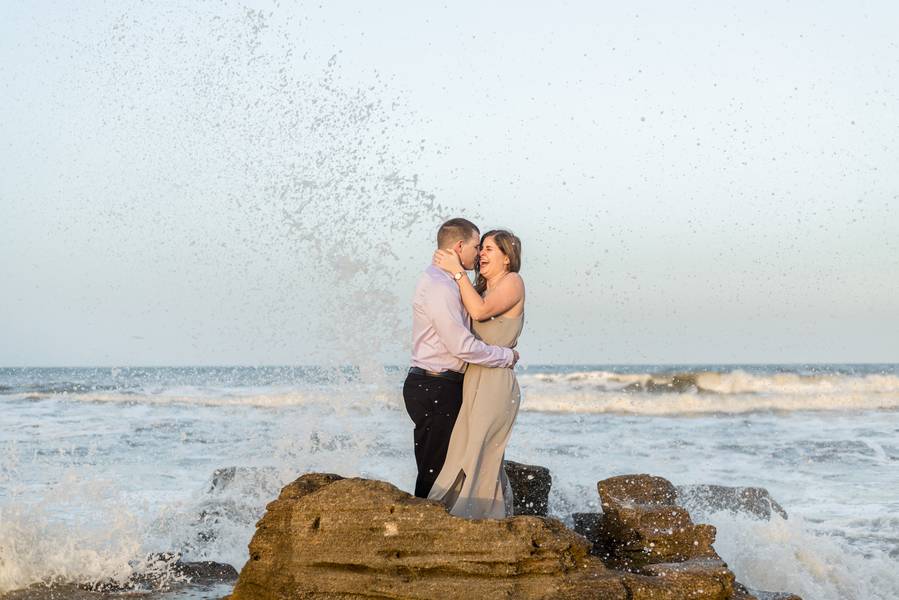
444 309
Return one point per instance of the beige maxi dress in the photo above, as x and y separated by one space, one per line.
472 482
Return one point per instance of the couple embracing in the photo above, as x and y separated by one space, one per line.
461 391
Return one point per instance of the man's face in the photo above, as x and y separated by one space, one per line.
468 253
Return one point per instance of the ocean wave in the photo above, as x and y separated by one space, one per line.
61 387
694 404
323 398
712 382
822 566
534 400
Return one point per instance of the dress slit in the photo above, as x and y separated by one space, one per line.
472 482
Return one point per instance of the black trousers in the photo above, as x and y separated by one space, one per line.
433 403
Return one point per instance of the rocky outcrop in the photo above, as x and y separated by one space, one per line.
753 501
643 529
643 525
329 537
530 488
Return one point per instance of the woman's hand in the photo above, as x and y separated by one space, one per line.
448 261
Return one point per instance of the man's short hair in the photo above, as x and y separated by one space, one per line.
454 230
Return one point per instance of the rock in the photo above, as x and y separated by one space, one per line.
754 501
161 571
588 525
232 500
645 490
326 537
206 571
743 593
641 524
530 488
331 537
759 595
691 579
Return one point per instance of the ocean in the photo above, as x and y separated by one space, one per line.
101 467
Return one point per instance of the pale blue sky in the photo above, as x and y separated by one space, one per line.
193 183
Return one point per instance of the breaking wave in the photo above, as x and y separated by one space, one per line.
713 382
703 391
693 404
590 391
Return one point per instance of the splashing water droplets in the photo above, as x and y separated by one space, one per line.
218 120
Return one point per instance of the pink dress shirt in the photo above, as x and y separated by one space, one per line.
441 337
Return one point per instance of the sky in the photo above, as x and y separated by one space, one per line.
260 183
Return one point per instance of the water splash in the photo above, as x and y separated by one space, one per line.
252 171
81 529
256 170
820 566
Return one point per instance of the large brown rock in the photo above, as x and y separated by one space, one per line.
641 524
331 538
327 537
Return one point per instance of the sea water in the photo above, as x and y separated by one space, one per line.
104 466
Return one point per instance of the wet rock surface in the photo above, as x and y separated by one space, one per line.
169 567
642 524
159 575
753 501
328 537
588 525
744 593
335 538
530 488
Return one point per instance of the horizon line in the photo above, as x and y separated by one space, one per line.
524 366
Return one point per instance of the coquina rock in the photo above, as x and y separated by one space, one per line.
326 537
642 524
643 530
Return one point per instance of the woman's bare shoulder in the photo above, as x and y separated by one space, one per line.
513 279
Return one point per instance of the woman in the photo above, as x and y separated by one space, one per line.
473 483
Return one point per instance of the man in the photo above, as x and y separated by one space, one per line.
442 344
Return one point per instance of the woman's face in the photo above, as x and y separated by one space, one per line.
492 260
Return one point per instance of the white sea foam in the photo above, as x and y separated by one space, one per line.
737 381
347 398
36 545
700 392
693 404
819 566
537 397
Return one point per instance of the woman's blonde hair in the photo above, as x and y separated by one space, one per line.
509 244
